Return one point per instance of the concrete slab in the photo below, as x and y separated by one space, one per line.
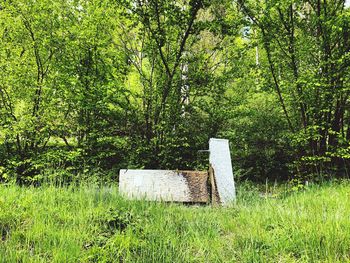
164 185
220 161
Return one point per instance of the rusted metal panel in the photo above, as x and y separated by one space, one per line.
164 185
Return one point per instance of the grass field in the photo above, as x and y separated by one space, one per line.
91 224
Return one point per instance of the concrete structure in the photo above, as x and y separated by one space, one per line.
164 185
185 186
220 161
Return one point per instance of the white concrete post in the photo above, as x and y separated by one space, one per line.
220 160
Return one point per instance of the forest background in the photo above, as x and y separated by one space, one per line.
88 87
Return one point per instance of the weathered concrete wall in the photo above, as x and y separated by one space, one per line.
220 160
185 186
164 185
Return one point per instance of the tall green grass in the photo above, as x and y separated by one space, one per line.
94 224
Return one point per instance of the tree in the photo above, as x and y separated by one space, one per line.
306 44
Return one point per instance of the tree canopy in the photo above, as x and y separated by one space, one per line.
89 87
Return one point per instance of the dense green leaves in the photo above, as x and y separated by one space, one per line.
101 85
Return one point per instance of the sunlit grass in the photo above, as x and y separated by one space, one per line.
92 224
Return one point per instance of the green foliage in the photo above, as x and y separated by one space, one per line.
258 137
103 85
305 45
